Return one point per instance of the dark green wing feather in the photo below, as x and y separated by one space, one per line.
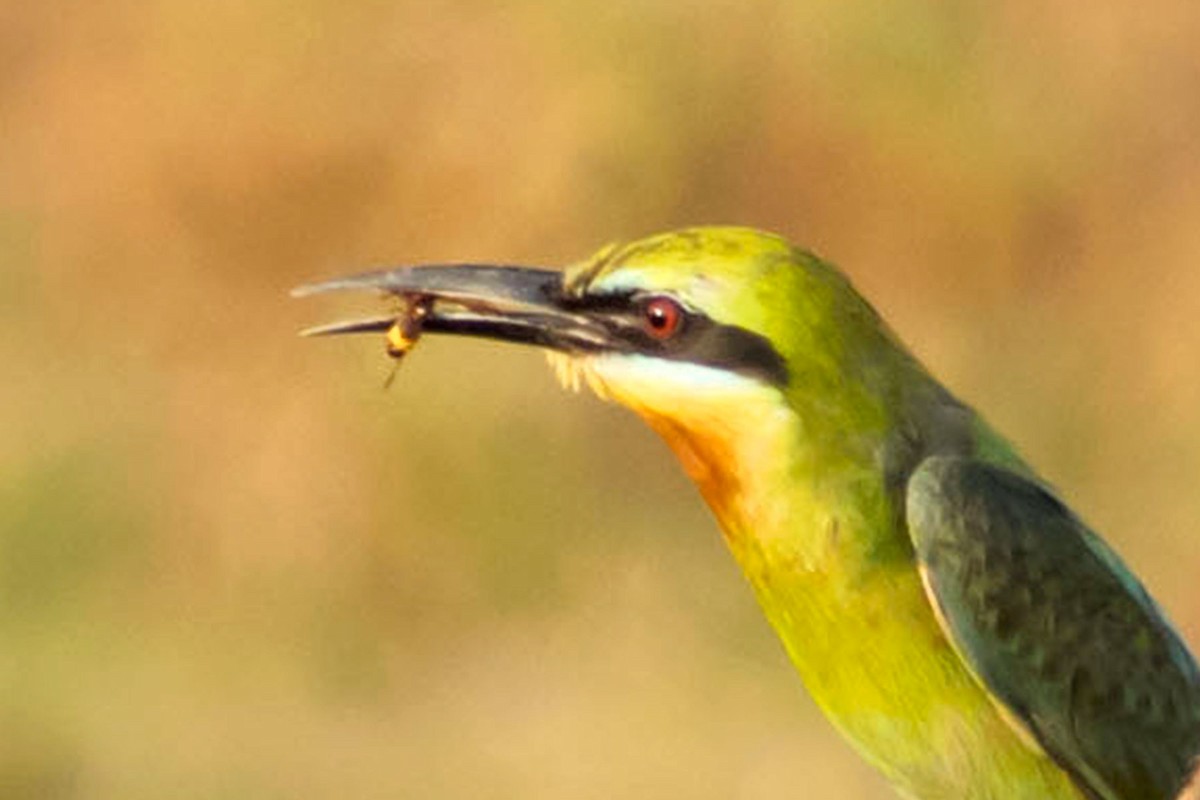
1057 628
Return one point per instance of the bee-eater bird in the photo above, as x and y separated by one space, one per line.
958 624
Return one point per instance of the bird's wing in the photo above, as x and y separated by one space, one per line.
1056 628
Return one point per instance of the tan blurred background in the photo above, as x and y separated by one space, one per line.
232 566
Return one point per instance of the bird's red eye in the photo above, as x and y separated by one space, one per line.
661 318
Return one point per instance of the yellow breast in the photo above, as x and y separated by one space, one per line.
860 632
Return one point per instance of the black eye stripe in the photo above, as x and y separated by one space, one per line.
614 302
699 339
703 341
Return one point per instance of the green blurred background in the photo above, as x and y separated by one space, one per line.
232 566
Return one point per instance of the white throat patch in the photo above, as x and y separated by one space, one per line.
660 385
730 432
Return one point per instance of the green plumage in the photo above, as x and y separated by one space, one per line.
886 477
1057 628
953 619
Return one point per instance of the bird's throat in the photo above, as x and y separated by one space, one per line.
710 460
733 435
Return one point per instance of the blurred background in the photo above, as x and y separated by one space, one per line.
232 565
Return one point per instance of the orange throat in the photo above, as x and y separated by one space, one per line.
710 460
730 432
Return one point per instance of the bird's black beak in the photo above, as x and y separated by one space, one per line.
514 304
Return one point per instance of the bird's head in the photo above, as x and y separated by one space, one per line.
712 335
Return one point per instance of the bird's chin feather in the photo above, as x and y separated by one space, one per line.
574 372
663 386
729 431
